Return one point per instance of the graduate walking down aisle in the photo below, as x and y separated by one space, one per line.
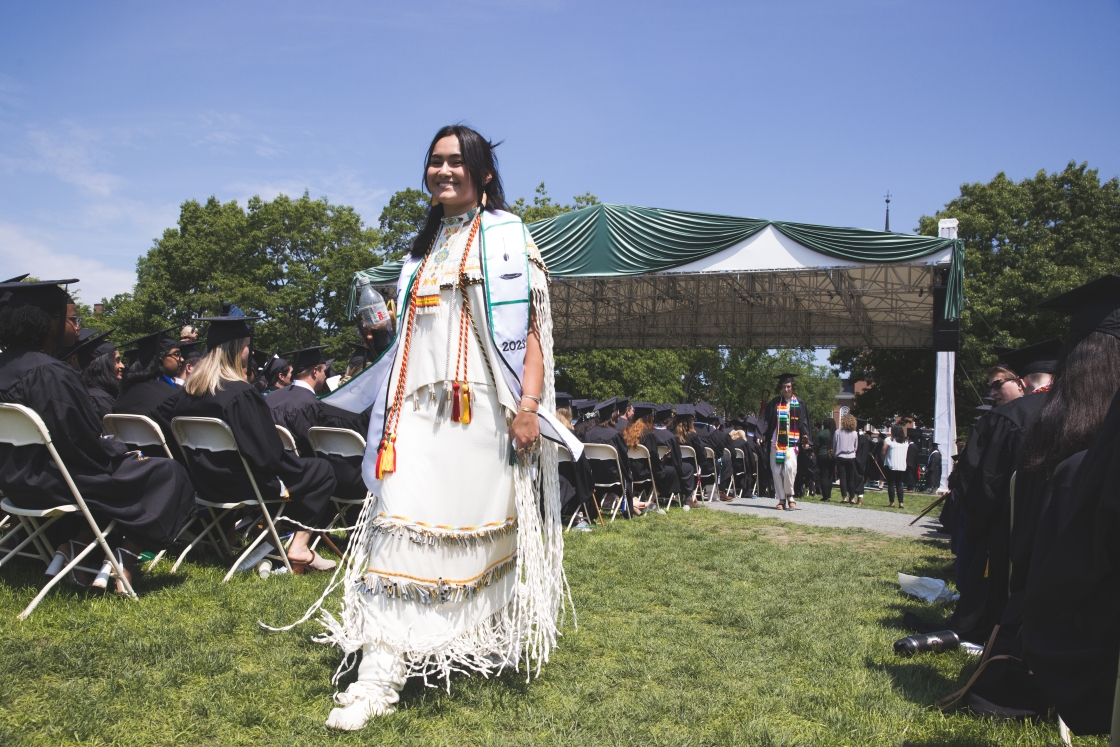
457 564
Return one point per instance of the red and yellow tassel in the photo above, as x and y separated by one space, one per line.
455 408
386 457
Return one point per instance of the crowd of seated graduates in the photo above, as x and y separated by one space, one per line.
72 378
647 439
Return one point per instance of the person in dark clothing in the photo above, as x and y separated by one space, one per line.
640 432
1060 620
297 408
100 364
149 385
662 417
863 456
605 433
807 470
912 460
684 427
576 481
218 389
276 374
933 470
822 444
717 441
745 442
150 499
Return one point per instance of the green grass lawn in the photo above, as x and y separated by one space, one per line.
698 628
877 500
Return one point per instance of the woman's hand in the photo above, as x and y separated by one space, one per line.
524 431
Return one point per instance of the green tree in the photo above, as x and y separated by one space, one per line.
543 206
1024 242
287 261
401 220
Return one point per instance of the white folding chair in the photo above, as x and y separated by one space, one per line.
212 434
287 439
22 426
740 476
688 453
340 442
710 455
607 453
136 430
564 455
640 453
663 453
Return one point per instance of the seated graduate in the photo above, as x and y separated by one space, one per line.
640 432
576 482
740 439
297 408
625 413
218 389
686 473
706 423
150 499
276 374
1063 580
604 432
149 385
101 366
192 354
358 362
583 416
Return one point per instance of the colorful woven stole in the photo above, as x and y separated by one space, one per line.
786 435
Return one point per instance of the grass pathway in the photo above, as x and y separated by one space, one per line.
698 628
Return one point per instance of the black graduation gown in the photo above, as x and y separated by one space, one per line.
1071 611
686 476
299 410
863 451
933 471
986 506
220 476
604 472
102 402
576 487
152 399
799 420
664 475
747 465
151 499
911 465
717 441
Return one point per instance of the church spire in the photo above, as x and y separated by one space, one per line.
887 226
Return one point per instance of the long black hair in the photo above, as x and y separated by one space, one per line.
102 373
1087 378
138 373
480 162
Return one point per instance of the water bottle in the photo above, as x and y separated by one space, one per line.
371 306
374 318
944 640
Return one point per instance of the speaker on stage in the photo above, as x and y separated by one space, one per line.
946 334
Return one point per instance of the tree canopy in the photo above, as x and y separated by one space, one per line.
1024 243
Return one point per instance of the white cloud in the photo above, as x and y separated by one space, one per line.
71 156
22 252
342 188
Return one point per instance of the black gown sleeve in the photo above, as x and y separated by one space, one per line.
57 394
249 418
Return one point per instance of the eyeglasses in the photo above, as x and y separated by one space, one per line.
998 383
174 354
77 320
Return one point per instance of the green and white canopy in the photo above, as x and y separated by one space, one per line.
645 277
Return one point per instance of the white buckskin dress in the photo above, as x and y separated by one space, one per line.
459 567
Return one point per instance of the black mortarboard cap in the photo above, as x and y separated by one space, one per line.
47 295
360 356
191 348
1094 307
93 348
641 409
147 347
704 411
582 406
752 422
305 358
686 410
661 413
784 377
18 278
563 399
607 407
623 405
1041 357
232 324
273 366
83 335
259 358
983 408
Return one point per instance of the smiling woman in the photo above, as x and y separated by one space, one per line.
458 565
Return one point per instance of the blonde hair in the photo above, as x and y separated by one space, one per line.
848 422
222 363
564 415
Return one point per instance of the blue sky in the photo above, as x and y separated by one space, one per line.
113 113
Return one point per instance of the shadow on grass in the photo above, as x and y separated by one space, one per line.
918 681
